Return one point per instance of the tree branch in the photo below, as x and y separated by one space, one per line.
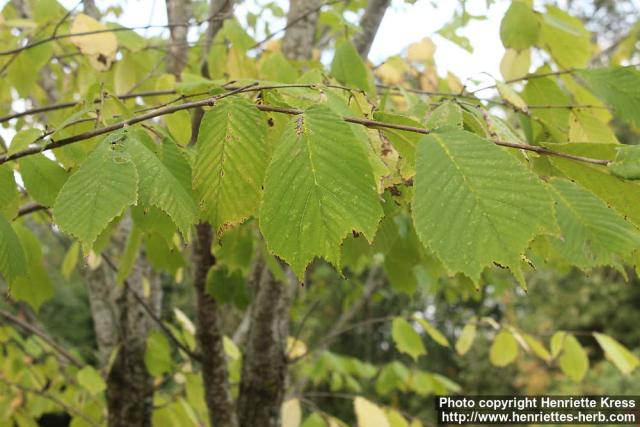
269 108
370 23
68 408
32 329
210 341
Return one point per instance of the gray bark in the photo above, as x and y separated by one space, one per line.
101 290
210 339
370 22
91 9
122 325
264 368
302 20
178 14
129 384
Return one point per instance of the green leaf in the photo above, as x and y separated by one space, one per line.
13 262
275 67
520 26
70 260
162 255
227 287
591 234
231 159
43 178
435 334
627 162
236 248
573 361
9 195
585 126
475 204
620 195
179 125
34 288
404 142
557 342
617 86
447 114
504 349
565 38
90 379
618 354
403 256
537 348
157 356
153 220
545 91
349 68
23 139
318 188
466 338
407 340
100 190
158 186
129 255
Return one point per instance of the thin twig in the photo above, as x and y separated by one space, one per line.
46 338
29 208
268 108
68 408
93 32
151 313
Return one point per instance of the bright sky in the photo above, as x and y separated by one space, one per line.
403 24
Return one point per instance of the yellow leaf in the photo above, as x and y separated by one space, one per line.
291 413
573 361
421 51
429 79
511 96
504 349
515 64
392 71
584 126
100 48
369 414
93 260
454 82
396 419
538 348
295 348
466 338
618 354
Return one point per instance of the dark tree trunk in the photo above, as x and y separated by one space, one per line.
264 369
302 20
370 23
210 339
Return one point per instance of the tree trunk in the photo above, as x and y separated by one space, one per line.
264 366
210 340
178 14
129 384
302 20
91 9
370 22
122 325
219 10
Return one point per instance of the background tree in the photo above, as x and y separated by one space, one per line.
235 226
